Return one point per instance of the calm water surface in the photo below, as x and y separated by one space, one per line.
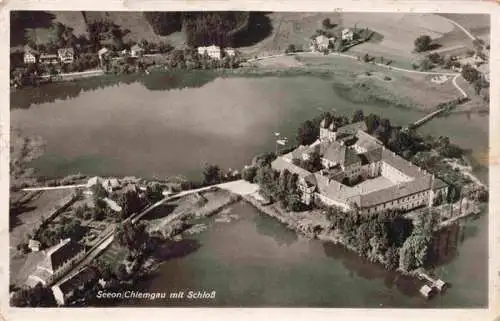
140 128
134 129
256 261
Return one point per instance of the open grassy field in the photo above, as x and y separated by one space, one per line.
39 29
32 213
405 88
289 28
297 28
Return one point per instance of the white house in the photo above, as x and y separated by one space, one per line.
136 51
111 185
66 55
34 245
46 58
212 51
29 58
29 55
103 52
230 52
347 34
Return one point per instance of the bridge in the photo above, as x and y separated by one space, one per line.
239 187
426 118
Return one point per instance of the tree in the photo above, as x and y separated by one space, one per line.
478 44
212 174
358 116
283 181
121 272
164 23
392 258
132 236
453 194
326 23
293 201
308 132
478 86
363 239
470 73
291 48
98 191
422 43
372 122
313 163
249 173
154 192
37 296
130 203
425 64
265 177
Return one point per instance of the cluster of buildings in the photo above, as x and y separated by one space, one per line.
32 56
359 173
322 42
67 55
216 52
135 51
57 260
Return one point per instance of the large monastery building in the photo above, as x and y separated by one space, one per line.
359 172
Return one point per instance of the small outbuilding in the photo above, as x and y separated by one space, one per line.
426 291
34 245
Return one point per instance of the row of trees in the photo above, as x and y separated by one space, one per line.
190 59
278 186
377 237
50 233
37 296
414 251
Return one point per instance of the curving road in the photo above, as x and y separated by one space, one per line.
50 188
455 75
240 187
467 32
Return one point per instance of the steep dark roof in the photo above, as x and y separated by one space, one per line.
339 154
439 183
351 157
372 156
61 253
395 192
83 276
280 164
352 129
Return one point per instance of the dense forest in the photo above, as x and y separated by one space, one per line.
222 28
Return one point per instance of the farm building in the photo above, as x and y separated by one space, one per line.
66 55
347 34
212 51
136 51
58 260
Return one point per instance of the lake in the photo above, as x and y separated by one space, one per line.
155 126
256 261
138 128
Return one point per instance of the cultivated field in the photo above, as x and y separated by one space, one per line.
289 28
